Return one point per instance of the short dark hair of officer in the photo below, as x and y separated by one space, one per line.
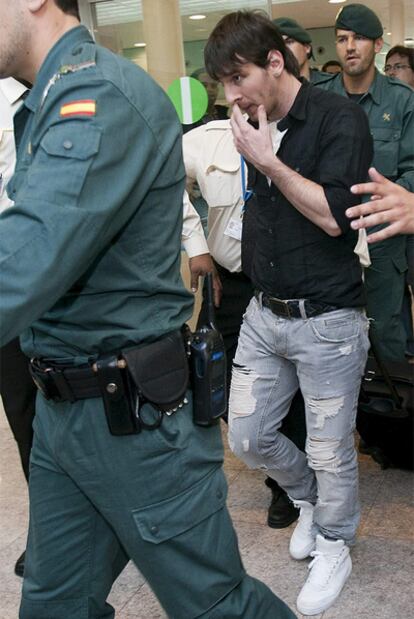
359 19
292 30
332 64
245 37
406 52
69 6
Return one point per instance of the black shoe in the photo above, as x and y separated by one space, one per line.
376 453
281 512
19 567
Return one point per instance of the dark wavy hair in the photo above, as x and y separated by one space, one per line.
69 6
241 37
407 52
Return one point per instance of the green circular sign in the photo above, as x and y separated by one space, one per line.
189 98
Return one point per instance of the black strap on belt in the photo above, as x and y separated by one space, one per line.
158 369
294 308
64 383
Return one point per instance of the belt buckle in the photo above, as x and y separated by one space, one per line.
281 306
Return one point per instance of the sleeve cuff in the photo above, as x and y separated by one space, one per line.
195 245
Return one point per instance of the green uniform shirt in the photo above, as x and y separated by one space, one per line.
90 253
316 75
389 105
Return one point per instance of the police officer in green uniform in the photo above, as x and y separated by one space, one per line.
90 267
389 104
299 41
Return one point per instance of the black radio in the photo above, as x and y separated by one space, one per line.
208 368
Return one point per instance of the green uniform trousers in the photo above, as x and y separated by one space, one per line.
157 497
385 283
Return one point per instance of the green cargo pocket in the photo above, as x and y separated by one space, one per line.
188 549
167 519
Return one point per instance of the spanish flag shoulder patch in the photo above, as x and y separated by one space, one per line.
84 107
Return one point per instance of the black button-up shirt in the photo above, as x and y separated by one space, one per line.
328 141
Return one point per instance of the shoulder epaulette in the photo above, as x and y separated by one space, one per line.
82 56
396 82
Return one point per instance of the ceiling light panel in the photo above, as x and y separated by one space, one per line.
123 11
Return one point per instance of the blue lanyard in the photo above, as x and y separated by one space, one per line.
246 193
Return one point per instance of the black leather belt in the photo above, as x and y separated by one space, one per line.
64 383
292 308
60 382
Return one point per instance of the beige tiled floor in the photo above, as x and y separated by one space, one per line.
381 585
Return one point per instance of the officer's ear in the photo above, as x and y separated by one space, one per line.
34 6
378 43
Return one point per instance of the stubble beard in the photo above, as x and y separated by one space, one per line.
359 69
354 71
14 49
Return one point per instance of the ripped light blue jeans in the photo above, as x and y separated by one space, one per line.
325 356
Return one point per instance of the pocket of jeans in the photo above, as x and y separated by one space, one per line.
336 329
251 309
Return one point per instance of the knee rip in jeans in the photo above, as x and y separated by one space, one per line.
245 445
242 401
324 408
322 454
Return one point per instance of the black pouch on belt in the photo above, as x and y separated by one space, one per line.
113 384
159 371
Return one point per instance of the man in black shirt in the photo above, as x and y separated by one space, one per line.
305 327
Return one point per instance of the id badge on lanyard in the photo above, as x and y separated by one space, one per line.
235 225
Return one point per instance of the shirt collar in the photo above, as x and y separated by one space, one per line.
12 89
299 107
53 62
375 91
222 125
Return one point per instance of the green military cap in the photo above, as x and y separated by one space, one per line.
360 19
291 28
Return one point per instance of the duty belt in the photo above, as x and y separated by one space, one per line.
139 384
293 308
64 383
105 377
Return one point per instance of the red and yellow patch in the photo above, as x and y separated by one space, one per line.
85 107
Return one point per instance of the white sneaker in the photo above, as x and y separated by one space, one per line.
329 571
302 541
